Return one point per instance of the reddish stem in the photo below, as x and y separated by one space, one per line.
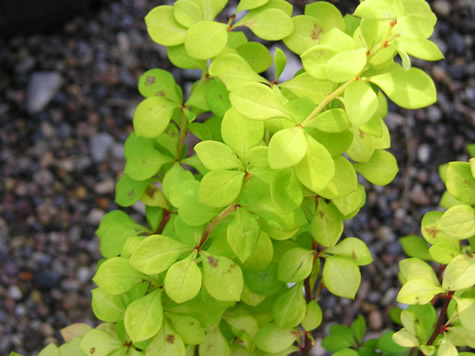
163 223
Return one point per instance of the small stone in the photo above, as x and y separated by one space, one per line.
389 296
375 320
47 279
42 87
14 292
105 187
43 177
385 234
99 146
84 274
434 114
66 164
118 150
82 163
441 8
95 216
418 195
423 153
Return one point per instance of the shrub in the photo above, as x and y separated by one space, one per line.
245 232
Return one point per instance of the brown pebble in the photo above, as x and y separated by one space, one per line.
375 320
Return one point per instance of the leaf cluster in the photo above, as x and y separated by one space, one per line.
245 227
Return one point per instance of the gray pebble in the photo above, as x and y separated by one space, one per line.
42 87
441 8
84 274
105 187
95 216
14 292
100 145
423 153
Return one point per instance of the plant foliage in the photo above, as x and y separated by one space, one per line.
245 230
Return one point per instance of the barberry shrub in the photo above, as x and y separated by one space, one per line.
245 227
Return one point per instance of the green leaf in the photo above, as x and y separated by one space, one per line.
243 233
327 15
287 148
218 99
460 273
214 344
257 55
240 133
258 156
163 28
405 338
410 89
143 317
313 316
220 187
280 61
386 343
358 328
346 65
295 265
466 312
242 321
188 328
444 251
351 202
99 343
270 338
376 9
205 39
107 307
233 70
269 24
50 350
159 82
363 146
286 191
361 102
380 169
216 155
458 222
332 120
305 85
414 26
263 281
190 209
353 249
314 60
156 253
183 279
317 168
262 254
460 182
222 278
128 191
152 116
343 182
250 4
447 347
418 291
335 143
211 8
340 338
306 34
257 101
411 268
187 12
117 276
341 276
420 48
181 59
414 246
167 343
289 308
327 224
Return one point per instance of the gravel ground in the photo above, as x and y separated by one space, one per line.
66 105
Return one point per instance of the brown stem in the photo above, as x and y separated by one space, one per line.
163 223
181 140
213 223
440 321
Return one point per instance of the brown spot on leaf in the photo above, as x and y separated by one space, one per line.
92 350
160 93
150 80
151 191
432 231
353 255
321 214
361 134
170 339
212 261
317 32
131 193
